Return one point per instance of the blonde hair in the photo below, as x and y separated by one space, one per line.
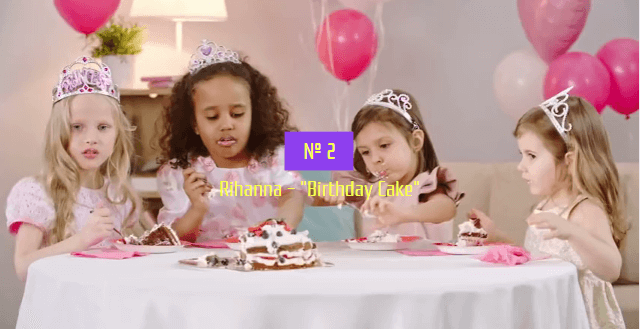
61 176
593 171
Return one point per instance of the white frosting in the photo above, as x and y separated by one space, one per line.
276 233
380 236
468 241
468 227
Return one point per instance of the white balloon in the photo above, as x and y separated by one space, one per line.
518 82
361 5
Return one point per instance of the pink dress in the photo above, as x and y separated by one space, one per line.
228 214
28 202
423 183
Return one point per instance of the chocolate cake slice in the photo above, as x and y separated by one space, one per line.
159 235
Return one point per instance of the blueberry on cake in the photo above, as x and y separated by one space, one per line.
274 246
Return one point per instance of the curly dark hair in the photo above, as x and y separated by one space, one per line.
269 118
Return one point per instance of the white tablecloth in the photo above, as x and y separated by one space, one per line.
365 289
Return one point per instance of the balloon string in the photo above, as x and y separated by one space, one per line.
346 108
336 111
329 39
315 23
374 66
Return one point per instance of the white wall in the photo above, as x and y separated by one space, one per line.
444 52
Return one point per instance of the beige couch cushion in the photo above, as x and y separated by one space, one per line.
629 178
473 180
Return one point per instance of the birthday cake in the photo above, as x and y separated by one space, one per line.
274 246
471 234
159 235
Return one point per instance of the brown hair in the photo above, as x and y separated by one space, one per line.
269 118
427 159
593 171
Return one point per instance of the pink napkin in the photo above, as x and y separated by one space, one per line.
417 252
208 244
108 253
506 254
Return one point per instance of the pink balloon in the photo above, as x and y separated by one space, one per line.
346 43
620 57
552 26
86 16
586 73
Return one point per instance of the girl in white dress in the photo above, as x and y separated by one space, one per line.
83 193
566 159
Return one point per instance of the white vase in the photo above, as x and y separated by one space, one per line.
121 69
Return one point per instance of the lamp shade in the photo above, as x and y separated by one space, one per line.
181 10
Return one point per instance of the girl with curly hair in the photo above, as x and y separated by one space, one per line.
224 147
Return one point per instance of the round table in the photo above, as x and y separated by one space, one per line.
364 289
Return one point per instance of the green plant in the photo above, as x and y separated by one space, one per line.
118 39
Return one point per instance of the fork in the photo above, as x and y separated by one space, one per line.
119 233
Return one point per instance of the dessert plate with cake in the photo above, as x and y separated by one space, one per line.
381 241
159 239
471 240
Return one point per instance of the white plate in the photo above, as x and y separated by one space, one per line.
233 246
148 249
474 250
378 245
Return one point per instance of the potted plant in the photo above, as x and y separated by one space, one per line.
119 43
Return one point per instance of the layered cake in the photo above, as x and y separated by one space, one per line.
274 246
471 234
159 235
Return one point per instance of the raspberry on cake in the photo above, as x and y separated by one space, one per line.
471 234
273 245
159 235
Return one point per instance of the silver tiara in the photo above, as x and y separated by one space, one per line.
209 53
85 76
557 109
400 103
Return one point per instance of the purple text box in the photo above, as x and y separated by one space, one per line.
318 150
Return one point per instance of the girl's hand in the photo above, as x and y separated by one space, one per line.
197 187
98 227
485 222
387 213
558 227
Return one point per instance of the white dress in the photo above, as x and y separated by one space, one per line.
601 304
28 202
